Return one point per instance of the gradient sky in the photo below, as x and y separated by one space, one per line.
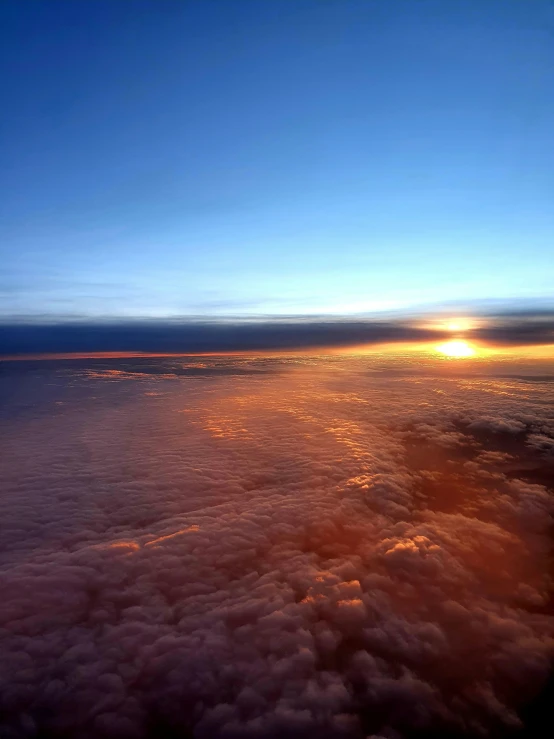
244 157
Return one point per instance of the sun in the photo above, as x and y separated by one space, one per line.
456 348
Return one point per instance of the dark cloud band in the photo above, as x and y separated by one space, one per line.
186 336
191 337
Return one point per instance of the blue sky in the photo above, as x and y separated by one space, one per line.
243 157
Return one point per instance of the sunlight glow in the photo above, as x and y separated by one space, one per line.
456 348
458 325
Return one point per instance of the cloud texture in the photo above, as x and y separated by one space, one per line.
286 549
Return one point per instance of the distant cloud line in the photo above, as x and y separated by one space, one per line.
196 336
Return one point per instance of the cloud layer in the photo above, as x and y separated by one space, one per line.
194 336
315 548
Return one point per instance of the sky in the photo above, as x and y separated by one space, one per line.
244 158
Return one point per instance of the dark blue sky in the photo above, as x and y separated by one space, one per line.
272 157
